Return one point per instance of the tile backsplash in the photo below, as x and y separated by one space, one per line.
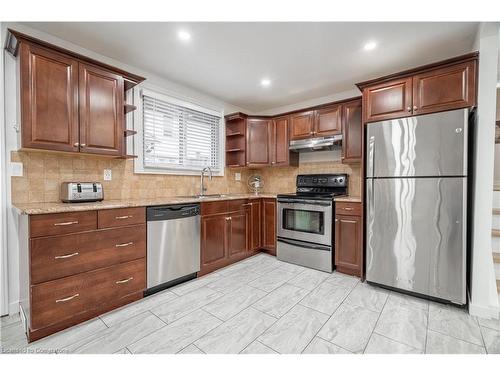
44 172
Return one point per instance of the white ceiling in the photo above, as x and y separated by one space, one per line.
303 60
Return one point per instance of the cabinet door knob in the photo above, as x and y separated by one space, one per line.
76 144
409 109
415 108
83 145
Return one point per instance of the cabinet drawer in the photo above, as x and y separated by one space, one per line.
56 257
238 205
348 208
211 208
121 217
58 300
63 223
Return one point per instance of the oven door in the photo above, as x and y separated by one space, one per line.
305 220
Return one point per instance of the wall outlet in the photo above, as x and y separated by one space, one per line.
237 176
107 175
16 169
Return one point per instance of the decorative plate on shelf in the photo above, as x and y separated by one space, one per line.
255 183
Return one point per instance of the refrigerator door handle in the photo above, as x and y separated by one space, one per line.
371 156
370 193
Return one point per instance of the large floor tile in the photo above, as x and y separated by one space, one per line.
119 336
309 279
230 283
437 343
320 346
294 330
69 336
490 323
257 347
290 267
183 305
343 280
491 340
404 300
178 335
281 300
231 304
262 268
326 298
13 339
272 280
350 327
9 320
402 324
191 349
136 308
454 322
195 284
236 334
368 297
383 345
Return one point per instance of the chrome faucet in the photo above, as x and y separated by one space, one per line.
202 187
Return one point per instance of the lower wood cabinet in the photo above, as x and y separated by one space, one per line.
348 238
71 270
269 225
238 230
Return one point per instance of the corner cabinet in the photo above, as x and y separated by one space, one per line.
258 142
70 102
352 130
442 86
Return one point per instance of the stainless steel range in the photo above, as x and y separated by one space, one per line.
305 221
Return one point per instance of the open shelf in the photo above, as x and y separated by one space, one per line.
129 107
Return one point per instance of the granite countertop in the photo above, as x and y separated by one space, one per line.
57 207
348 199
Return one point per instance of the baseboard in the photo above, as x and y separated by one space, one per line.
487 312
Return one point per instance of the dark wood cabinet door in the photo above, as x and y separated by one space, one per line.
352 130
238 234
328 121
301 125
258 142
213 242
49 99
255 227
446 88
281 143
348 244
269 225
388 100
101 111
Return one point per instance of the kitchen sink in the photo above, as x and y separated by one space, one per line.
197 196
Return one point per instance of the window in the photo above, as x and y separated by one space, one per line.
177 136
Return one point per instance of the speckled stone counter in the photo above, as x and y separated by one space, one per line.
348 199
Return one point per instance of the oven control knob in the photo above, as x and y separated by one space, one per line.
340 180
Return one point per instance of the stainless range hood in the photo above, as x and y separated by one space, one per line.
317 144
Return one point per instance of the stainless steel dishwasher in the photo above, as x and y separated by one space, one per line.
173 245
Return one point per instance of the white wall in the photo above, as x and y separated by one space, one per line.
10 253
497 145
484 298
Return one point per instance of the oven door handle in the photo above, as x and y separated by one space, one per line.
313 203
305 244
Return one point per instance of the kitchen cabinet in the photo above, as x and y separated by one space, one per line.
348 238
269 225
70 102
213 242
352 130
238 233
442 86
72 269
282 156
302 125
328 121
255 226
259 142
101 111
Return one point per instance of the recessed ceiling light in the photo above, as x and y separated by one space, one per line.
265 82
370 46
184 35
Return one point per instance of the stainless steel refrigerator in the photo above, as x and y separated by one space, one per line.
416 195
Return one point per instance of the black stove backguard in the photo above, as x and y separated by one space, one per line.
319 184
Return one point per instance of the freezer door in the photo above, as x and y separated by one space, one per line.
415 235
428 145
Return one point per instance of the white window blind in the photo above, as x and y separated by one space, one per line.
179 137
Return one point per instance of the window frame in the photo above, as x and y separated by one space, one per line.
138 126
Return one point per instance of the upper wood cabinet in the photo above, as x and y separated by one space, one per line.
282 156
101 111
441 86
328 121
352 130
49 99
70 102
302 125
258 142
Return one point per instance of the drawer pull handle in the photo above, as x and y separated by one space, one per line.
124 280
67 298
66 223
124 244
123 217
348 208
247 204
65 256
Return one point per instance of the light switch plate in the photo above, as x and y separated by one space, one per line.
107 175
237 176
16 169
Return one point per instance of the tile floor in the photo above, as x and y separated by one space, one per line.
262 305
